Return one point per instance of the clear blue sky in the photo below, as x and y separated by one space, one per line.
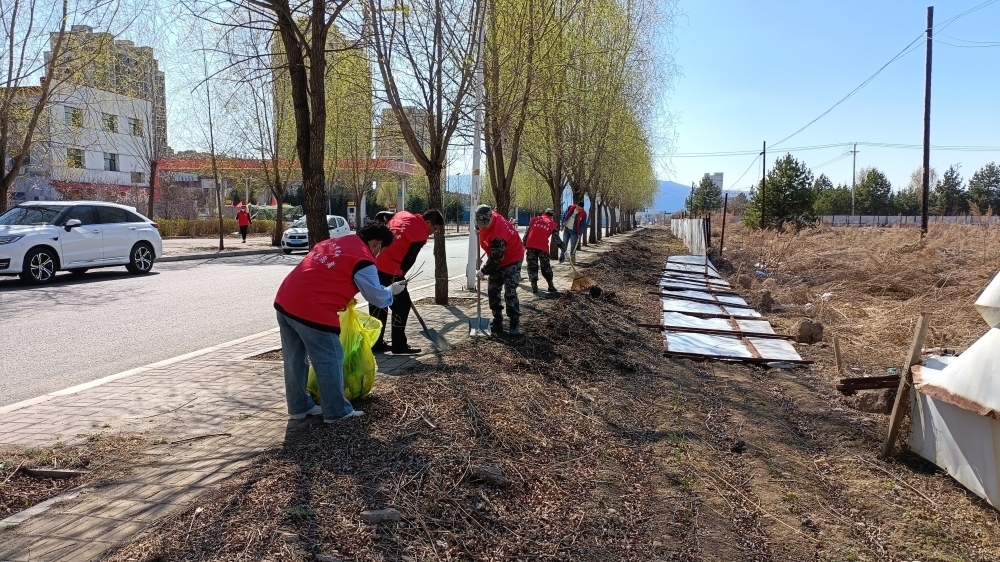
756 71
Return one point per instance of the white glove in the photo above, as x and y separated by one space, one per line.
480 275
397 287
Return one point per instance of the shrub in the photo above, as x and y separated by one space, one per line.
202 228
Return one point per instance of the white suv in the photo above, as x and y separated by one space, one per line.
38 238
297 236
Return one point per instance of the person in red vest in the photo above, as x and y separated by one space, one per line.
411 232
308 303
574 227
536 241
500 240
244 221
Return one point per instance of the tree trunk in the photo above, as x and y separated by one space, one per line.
556 191
594 210
434 199
152 189
278 191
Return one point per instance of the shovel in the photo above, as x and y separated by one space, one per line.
436 339
479 326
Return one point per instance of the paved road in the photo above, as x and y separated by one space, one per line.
80 329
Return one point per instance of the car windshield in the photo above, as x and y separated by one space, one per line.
31 215
301 223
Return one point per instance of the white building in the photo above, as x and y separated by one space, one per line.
89 142
716 178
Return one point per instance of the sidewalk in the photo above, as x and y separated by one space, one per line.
213 410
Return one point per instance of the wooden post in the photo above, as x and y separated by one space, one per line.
902 402
836 354
722 237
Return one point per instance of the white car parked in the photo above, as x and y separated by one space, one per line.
38 238
297 236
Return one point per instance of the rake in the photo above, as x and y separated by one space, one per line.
580 282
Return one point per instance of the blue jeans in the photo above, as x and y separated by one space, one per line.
570 239
301 345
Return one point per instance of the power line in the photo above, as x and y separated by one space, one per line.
900 54
970 41
942 148
906 50
747 170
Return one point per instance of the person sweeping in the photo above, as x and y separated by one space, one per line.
308 303
244 221
504 250
536 241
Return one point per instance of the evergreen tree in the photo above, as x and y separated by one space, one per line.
872 193
905 202
821 185
949 197
707 196
984 188
785 196
833 200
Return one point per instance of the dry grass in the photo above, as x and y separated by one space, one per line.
879 280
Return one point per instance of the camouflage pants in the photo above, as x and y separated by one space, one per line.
506 279
534 257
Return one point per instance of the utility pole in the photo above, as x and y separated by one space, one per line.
927 122
854 174
763 184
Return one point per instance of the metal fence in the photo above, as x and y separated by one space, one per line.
903 220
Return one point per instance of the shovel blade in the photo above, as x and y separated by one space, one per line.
479 327
436 339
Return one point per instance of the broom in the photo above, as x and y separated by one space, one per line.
580 282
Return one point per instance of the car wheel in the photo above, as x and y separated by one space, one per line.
79 271
141 259
286 252
39 266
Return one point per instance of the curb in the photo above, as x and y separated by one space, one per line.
222 254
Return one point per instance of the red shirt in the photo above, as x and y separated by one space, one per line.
323 282
243 218
539 230
408 228
501 228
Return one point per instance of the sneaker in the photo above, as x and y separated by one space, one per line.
353 414
380 347
552 289
515 330
406 351
496 327
314 411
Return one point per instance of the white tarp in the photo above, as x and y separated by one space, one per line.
690 287
955 404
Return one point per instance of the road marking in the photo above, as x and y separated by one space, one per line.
110 378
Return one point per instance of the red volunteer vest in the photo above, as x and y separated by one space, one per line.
501 228
243 218
408 228
539 230
323 282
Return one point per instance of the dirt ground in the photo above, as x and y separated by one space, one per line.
104 457
581 441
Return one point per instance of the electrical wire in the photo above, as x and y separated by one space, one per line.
747 170
906 50
943 148
990 43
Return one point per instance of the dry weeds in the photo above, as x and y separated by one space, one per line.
868 285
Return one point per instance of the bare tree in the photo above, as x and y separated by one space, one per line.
21 110
427 54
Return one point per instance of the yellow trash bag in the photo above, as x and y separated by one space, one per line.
358 333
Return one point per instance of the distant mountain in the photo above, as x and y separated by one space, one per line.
671 197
